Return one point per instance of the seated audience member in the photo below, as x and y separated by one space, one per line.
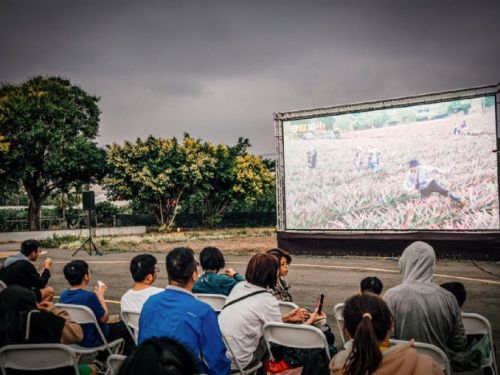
280 291
177 314
210 282
249 306
371 284
458 290
144 272
77 274
159 355
18 270
474 354
367 321
24 321
421 309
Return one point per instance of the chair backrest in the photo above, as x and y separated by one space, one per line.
217 301
476 324
2 285
37 357
83 315
131 320
432 351
286 307
234 360
114 363
338 310
301 336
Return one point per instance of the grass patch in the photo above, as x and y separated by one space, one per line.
58 241
121 243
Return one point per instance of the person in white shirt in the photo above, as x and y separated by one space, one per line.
249 306
144 272
423 179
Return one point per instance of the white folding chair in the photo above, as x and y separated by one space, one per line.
432 351
300 336
31 357
235 363
131 320
83 315
114 362
286 307
217 301
338 310
476 324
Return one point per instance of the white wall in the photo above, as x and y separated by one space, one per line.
41 235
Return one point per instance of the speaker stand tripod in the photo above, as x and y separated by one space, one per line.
92 248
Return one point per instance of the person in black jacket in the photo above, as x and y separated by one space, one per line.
18 270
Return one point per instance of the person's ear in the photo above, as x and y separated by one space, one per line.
86 277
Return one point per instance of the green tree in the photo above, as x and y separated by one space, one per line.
50 126
158 173
237 177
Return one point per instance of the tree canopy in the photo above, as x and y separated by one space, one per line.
162 173
49 126
158 172
237 177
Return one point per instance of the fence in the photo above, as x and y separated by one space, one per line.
183 220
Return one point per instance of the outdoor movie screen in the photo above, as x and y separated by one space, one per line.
419 167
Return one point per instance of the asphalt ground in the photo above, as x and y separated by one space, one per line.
337 277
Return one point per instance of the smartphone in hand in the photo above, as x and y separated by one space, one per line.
320 302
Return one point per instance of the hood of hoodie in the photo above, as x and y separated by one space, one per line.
417 263
14 258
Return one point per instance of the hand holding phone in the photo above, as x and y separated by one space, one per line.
320 303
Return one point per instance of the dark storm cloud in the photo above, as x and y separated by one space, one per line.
219 69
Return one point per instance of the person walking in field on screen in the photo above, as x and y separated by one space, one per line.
358 161
374 159
421 178
311 158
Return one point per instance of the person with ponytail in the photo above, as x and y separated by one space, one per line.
367 322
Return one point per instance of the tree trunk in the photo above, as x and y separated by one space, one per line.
175 209
34 209
162 221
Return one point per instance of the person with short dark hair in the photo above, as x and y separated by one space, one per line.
77 273
371 284
210 281
18 270
280 291
367 321
144 273
176 313
250 305
160 355
458 290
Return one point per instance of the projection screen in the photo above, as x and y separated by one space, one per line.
426 166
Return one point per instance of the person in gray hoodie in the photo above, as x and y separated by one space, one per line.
421 309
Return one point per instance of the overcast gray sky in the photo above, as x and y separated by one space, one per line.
219 69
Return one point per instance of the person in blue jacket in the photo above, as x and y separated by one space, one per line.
210 281
176 313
